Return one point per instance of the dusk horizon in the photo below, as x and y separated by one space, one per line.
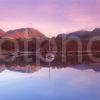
54 16
50 34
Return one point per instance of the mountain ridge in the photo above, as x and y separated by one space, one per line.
23 33
82 34
33 33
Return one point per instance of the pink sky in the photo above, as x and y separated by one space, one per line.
50 16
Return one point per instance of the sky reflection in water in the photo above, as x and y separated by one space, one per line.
59 84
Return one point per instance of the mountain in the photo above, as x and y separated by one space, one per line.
2 33
23 33
24 69
96 30
83 34
80 33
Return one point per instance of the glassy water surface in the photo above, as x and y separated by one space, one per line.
50 84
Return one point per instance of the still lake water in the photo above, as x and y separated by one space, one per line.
50 84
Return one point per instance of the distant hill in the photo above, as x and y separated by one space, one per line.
83 34
23 33
2 32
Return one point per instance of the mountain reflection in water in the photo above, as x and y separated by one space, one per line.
66 83
31 68
24 81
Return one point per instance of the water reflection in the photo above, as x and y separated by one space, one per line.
30 82
65 83
33 68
